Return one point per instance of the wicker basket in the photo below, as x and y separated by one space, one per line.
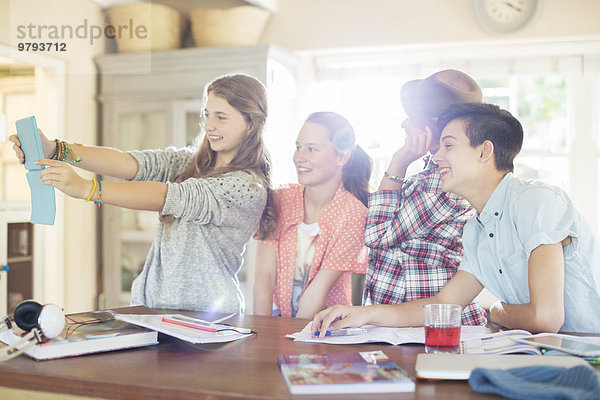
164 27
235 26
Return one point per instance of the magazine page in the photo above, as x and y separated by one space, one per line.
502 342
221 334
383 334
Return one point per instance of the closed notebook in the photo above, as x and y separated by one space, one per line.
364 372
85 333
459 366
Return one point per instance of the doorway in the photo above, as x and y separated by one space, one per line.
30 84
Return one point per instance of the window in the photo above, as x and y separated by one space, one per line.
554 97
540 104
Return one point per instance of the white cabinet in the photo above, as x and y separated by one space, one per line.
154 100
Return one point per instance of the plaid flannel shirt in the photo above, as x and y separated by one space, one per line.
415 244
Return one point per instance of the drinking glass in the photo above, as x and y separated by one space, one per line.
442 328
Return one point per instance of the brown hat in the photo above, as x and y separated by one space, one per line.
428 98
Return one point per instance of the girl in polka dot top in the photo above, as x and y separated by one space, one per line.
307 263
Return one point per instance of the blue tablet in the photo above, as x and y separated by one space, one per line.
43 204
27 132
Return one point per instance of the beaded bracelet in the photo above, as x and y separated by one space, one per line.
98 201
67 152
58 150
95 181
62 152
393 178
53 155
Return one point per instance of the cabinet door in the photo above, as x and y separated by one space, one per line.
128 234
186 121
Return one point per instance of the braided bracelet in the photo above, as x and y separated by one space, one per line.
393 178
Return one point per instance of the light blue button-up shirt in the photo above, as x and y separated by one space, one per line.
518 217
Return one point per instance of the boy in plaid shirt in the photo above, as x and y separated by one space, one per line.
413 229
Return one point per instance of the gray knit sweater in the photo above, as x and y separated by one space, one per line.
194 260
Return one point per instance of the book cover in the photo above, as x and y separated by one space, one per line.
85 333
364 372
502 342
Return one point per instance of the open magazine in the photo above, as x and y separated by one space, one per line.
186 328
383 334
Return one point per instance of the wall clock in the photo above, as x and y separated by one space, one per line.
505 16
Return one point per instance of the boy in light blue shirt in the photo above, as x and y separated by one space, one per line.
527 244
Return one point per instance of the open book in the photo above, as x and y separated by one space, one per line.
502 342
163 323
364 372
85 333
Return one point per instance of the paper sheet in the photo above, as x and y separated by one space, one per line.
382 334
196 336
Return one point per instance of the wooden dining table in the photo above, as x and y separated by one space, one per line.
174 369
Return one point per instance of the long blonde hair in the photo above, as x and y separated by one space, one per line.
248 96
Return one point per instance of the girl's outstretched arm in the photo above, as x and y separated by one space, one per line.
100 160
135 195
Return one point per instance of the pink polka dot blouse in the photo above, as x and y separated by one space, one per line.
340 245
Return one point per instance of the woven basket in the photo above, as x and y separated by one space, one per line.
164 27
235 26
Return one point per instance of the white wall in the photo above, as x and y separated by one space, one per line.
322 24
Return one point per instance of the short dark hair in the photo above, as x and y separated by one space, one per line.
488 122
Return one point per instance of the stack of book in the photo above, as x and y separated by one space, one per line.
85 333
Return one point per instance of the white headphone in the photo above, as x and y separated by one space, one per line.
39 321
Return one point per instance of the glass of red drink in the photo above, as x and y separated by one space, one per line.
442 328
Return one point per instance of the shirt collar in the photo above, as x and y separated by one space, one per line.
429 163
297 215
495 204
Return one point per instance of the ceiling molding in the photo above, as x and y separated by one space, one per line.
270 5
474 50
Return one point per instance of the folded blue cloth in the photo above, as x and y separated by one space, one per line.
539 382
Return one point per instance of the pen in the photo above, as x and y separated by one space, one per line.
343 332
190 322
